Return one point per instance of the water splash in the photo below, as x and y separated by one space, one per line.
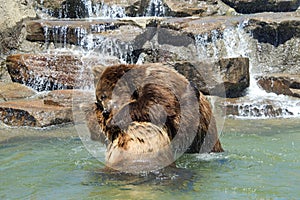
261 111
279 107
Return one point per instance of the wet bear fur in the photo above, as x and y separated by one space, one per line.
153 96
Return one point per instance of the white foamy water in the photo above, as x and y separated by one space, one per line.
156 8
107 46
235 42
103 10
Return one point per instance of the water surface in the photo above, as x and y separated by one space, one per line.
261 162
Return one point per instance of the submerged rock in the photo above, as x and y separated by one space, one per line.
52 108
247 108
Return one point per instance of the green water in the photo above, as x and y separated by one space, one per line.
261 162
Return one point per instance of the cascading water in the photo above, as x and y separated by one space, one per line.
235 42
156 8
105 46
110 11
58 34
86 8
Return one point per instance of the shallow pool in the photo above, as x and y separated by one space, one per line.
261 162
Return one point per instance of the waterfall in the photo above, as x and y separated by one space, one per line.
156 8
88 8
235 42
110 11
232 41
58 34
102 10
239 43
108 47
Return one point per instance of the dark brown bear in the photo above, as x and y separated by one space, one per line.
156 96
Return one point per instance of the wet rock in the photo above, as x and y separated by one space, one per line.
275 45
82 103
62 8
132 8
184 8
52 108
83 9
168 39
235 75
296 92
255 6
182 39
13 91
33 113
48 72
255 111
281 84
274 32
10 39
226 77
70 32
200 25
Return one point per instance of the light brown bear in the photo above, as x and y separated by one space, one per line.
151 114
